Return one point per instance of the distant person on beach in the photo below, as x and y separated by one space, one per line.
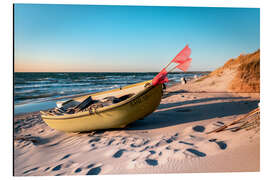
183 80
164 86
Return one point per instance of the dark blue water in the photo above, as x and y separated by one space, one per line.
36 91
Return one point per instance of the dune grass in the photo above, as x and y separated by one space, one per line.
247 78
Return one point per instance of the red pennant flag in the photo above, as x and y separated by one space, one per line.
184 65
183 55
160 78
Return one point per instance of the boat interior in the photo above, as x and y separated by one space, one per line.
94 101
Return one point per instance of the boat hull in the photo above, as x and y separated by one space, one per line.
119 116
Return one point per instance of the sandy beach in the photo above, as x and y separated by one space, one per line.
173 139
179 82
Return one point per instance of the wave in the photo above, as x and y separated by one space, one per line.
50 85
25 91
34 87
36 95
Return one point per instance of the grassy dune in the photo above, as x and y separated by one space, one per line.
247 78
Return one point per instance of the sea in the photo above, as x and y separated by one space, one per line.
40 91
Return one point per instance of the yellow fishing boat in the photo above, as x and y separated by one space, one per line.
144 100
133 102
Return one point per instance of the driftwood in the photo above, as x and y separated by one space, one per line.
249 124
240 127
257 110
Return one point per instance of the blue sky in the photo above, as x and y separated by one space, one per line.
66 38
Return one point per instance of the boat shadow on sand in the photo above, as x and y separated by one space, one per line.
173 113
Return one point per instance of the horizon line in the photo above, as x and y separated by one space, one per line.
103 72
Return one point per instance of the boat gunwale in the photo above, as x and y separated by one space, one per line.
107 108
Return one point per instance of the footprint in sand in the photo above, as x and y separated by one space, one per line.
169 140
78 170
196 152
47 169
152 152
124 141
33 139
65 157
139 145
151 162
30 170
187 143
144 149
160 143
97 139
221 144
110 142
90 165
60 174
57 168
172 138
198 128
119 153
212 140
94 171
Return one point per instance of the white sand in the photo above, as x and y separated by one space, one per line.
173 139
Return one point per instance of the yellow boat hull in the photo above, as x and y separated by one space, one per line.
115 116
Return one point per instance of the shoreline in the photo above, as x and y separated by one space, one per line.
43 105
40 102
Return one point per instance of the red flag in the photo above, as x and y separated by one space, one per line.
184 65
183 55
160 78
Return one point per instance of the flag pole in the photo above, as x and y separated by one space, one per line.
174 58
185 53
172 69
168 65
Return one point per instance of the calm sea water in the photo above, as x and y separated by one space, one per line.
36 91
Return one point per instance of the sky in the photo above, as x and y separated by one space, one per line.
88 38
